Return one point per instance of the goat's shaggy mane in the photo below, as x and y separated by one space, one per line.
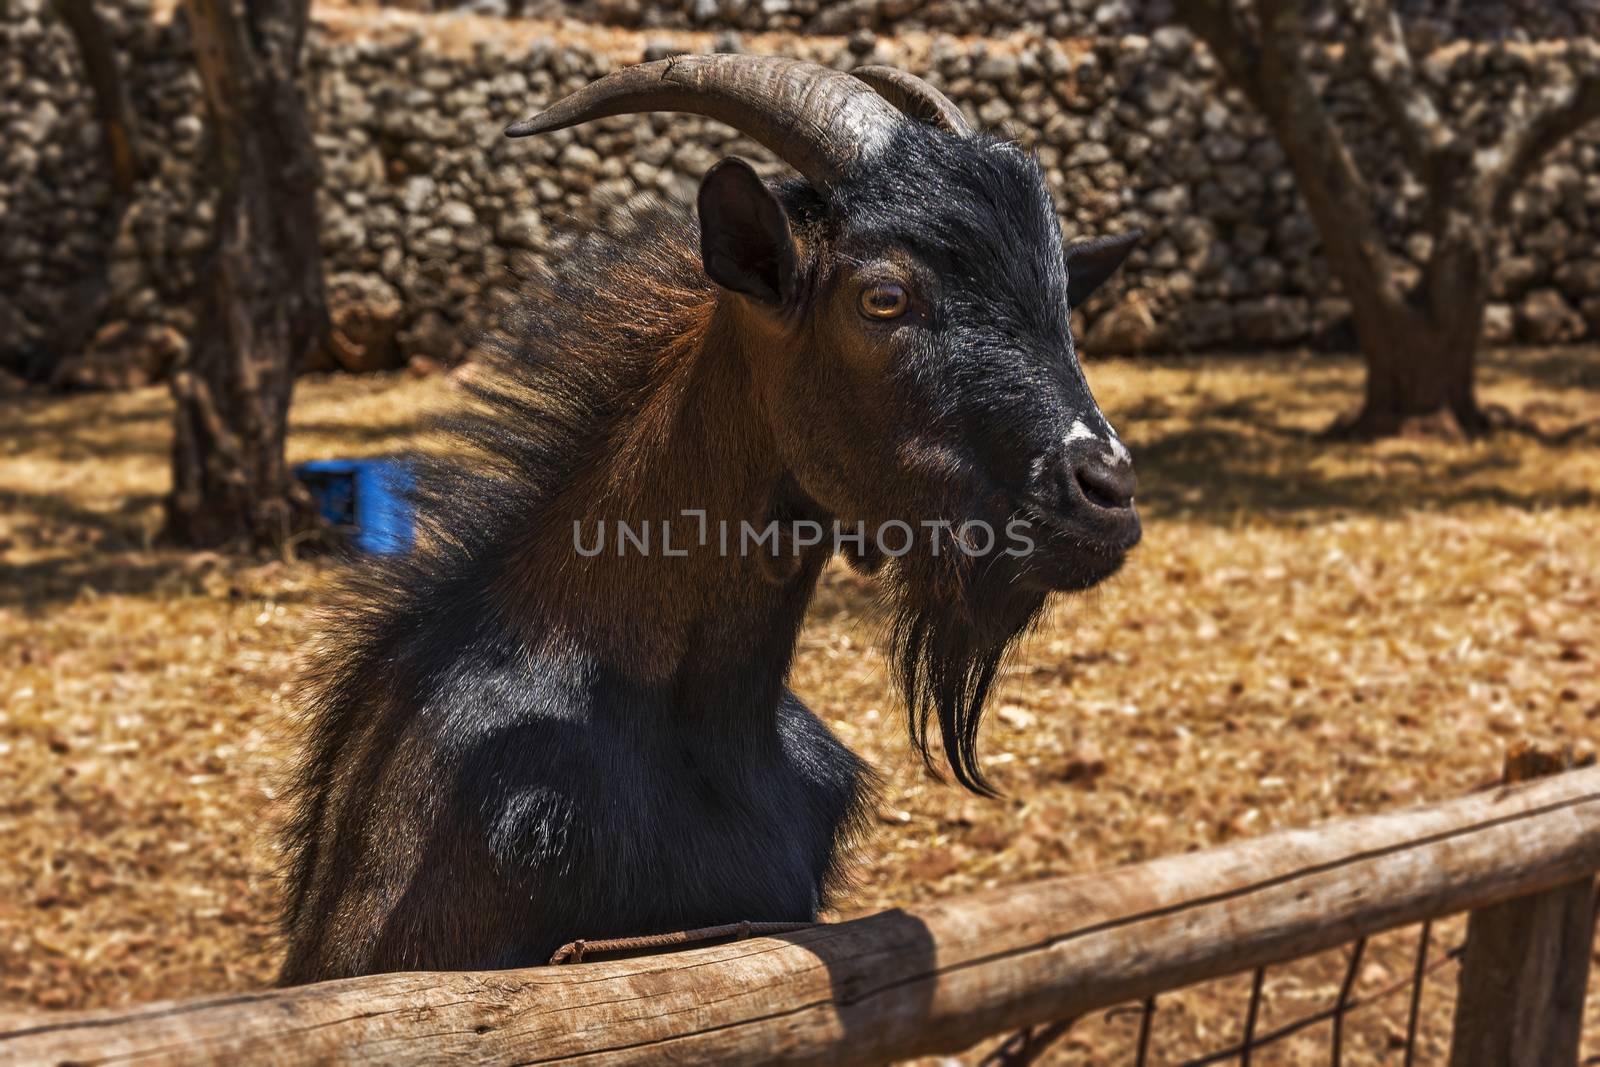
556 380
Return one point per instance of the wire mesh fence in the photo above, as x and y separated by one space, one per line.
1044 1043
1034 1044
1031 1045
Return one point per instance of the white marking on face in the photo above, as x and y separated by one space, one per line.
1080 432
1118 454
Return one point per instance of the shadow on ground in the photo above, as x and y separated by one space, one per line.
1238 440
1222 474
82 478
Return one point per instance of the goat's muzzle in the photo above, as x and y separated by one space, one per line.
1081 507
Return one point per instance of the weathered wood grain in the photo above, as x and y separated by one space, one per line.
899 983
1523 981
1526 968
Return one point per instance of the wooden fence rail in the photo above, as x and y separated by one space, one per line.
900 983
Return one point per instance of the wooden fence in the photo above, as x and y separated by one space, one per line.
943 977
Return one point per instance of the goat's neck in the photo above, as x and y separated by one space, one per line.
717 627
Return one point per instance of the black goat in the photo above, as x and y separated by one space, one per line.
519 739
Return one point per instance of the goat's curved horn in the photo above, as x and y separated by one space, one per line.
915 97
820 121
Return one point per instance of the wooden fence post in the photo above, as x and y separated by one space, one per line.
1526 967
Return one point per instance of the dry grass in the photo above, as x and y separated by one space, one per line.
1308 631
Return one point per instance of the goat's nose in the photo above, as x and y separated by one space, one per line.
1106 485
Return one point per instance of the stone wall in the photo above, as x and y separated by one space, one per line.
431 216
1438 20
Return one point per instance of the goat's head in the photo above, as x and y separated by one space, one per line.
909 305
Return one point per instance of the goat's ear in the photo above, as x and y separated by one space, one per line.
745 241
1091 262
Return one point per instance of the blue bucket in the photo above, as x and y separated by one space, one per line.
370 498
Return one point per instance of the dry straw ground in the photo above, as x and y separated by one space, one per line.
1308 631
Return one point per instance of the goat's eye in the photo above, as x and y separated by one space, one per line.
884 301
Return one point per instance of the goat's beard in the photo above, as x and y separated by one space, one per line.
954 621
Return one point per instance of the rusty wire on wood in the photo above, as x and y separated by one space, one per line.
617 947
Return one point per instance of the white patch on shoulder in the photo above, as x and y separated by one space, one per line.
1080 432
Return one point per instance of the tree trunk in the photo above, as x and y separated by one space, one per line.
1420 346
262 308
118 121
1418 380
1421 353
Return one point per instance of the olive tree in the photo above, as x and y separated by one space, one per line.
1419 336
262 308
